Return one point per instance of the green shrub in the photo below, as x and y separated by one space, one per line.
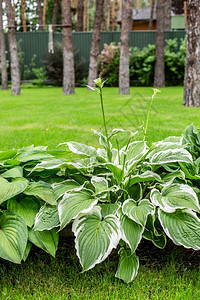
142 64
40 75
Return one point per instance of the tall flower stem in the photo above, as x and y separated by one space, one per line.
103 114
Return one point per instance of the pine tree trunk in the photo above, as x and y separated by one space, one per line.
94 53
115 15
192 62
151 15
109 15
15 74
80 10
39 10
124 76
55 15
23 15
44 13
159 74
168 8
68 51
4 77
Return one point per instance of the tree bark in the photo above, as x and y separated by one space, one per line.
159 74
23 15
55 15
44 13
68 51
124 76
192 62
39 10
4 77
168 8
94 53
151 15
14 62
109 15
115 15
80 10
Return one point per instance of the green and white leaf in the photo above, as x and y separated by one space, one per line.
182 227
62 187
175 196
79 148
73 204
138 212
13 236
95 237
128 266
27 250
109 209
131 232
13 173
26 207
47 218
144 177
100 184
47 240
43 190
116 170
10 189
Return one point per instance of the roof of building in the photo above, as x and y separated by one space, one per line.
140 14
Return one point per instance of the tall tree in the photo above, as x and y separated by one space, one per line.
159 73
55 14
40 15
151 14
115 14
4 77
109 14
68 52
124 76
94 53
80 10
192 62
15 74
23 15
44 13
168 8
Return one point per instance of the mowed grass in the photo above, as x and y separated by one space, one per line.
46 117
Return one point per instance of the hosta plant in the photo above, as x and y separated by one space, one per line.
112 197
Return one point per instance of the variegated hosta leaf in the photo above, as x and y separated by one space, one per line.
135 151
182 227
26 207
167 152
175 196
13 173
4 155
26 155
47 218
146 176
128 266
170 177
60 188
42 190
116 170
131 232
79 148
51 164
13 236
138 212
47 240
74 203
10 189
95 237
100 184
109 209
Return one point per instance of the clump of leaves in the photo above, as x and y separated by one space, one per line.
113 197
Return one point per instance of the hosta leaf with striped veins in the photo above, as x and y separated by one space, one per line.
10 189
79 148
13 236
95 237
175 196
182 227
43 190
138 212
47 218
47 240
74 203
128 266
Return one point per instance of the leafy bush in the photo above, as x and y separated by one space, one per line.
40 75
142 64
113 197
54 66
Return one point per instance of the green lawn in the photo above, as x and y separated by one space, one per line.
46 117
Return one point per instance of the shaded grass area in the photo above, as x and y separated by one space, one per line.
164 274
46 117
